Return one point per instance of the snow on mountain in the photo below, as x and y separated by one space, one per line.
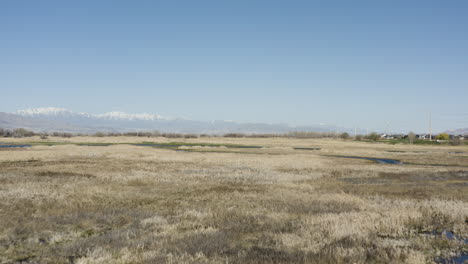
62 112
126 116
43 111
120 121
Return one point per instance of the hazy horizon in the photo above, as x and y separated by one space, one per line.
148 119
366 64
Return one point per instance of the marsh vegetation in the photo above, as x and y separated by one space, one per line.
79 202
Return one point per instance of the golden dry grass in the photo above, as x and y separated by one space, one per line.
134 204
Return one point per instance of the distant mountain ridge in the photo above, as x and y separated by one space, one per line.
12 121
62 112
61 119
460 131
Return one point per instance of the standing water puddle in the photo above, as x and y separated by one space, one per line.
93 145
460 259
227 146
307 148
8 145
378 160
176 145
457 260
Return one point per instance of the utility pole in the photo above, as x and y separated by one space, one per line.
430 127
355 131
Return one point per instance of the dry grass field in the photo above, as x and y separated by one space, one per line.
122 203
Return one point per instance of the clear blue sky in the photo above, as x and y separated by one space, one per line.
349 63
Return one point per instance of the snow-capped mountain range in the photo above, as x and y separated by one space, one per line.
61 119
56 112
53 119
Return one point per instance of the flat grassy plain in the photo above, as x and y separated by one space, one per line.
78 203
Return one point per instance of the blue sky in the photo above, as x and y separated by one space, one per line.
349 63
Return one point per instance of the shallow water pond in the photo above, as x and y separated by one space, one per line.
8 145
176 145
307 148
378 160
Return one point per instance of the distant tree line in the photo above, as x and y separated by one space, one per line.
293 134
17 133
21 132
409 138
147 134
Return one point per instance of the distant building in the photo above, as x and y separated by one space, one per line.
385 136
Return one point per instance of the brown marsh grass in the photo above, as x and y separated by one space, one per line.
134 204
